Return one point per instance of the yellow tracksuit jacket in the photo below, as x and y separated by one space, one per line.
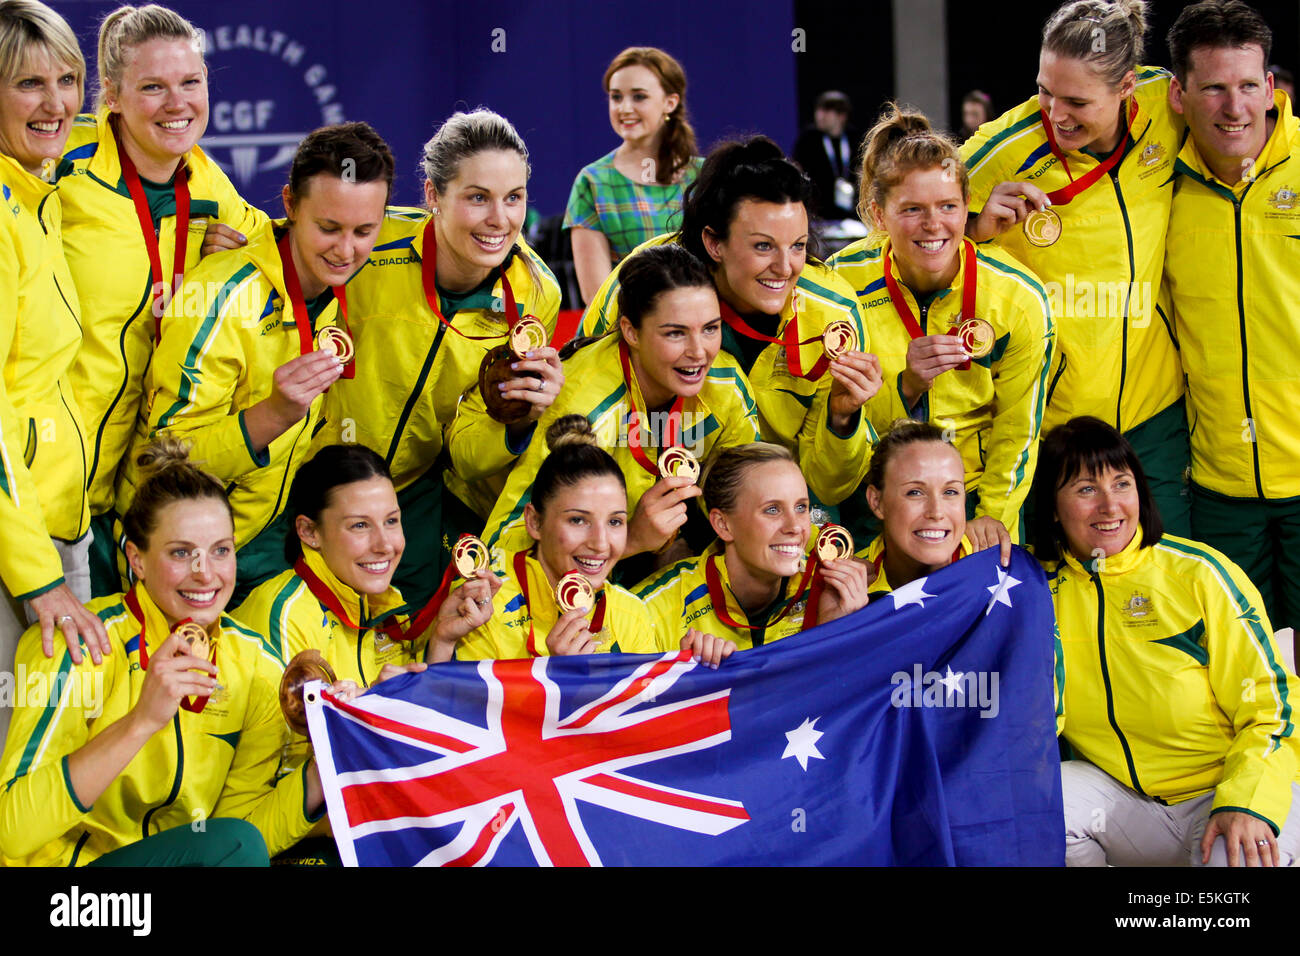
412 371
42 442
223 336
1231 271
627 628
218 763
995 408
678 599
721 415
1173 681
1116 357
294 620
110 265
791 411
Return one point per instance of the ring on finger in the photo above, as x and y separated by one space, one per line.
65 618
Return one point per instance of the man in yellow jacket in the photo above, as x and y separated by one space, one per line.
1231 273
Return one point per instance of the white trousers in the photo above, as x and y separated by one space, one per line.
1109 823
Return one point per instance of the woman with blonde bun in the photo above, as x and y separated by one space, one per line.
181 722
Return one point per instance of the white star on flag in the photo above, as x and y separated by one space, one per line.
803 742
953 683
1000 590
911 593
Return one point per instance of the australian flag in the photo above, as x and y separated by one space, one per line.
917 731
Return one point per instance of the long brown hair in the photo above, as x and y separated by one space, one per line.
677 144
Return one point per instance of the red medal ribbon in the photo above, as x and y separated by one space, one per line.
163 290
1062 196
195 705
968 284
428 278
672 436
414 628
789 339
521 575
293 288
809 582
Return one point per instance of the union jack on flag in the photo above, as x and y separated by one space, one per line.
803 751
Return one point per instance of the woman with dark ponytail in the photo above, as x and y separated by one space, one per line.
965 337
635 192
746 218
657 383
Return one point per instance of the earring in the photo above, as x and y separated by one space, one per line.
435 210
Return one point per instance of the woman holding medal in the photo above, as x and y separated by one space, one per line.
244 383
1075 184
1178 703
767 576
444 287
746 218
137 195
556 597
344 546
657 384
965 338
180 724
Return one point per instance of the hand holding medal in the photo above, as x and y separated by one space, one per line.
840 580
304 668
856 376
514 386
573 633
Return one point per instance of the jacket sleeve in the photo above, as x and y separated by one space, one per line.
251 791
1251 686
1020 391
29 564
197 368
602 312
37 803
478 444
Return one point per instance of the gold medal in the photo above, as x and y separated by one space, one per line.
1043 227
574 591
839 338
470 555
337 342
977 337
195 639
527 334
678 462
306 666
834 543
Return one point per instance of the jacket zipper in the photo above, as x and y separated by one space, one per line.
1241 323
1105 679
176 783
1128 292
